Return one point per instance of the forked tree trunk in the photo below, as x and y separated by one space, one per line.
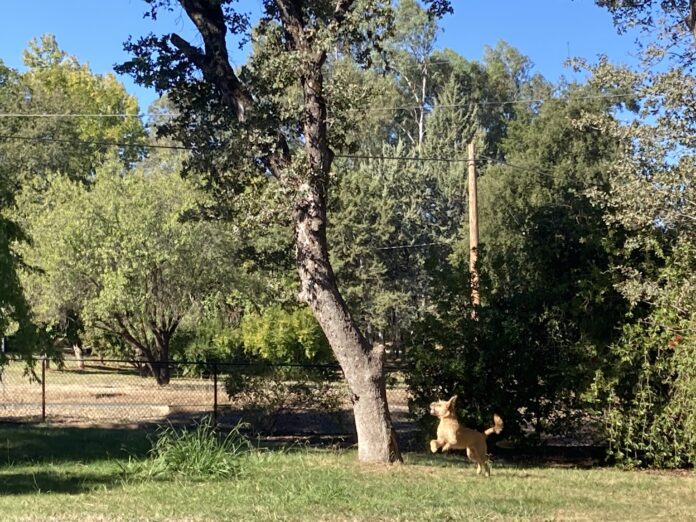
363 366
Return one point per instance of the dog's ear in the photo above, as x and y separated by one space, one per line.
451 402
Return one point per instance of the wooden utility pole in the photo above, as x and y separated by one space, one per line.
473 231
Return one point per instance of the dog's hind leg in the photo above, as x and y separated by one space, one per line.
481 461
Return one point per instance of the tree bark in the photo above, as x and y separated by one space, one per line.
362 365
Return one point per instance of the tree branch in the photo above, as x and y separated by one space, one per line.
192 53
342 7
291 16
209 19
213 62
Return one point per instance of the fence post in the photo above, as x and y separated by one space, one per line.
43 389
215 392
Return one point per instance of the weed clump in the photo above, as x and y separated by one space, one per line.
201 452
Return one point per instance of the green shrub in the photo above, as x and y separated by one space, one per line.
650 395
209 340
270 390
648 386
279 335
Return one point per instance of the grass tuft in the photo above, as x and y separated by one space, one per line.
196 453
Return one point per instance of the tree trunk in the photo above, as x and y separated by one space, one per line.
161 369
362 365
77 349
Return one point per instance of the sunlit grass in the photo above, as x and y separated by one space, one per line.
310 484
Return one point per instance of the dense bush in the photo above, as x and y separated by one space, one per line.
288 336
506 362
648 390
209 341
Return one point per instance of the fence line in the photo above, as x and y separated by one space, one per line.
276 399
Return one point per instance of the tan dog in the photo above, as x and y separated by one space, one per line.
451 435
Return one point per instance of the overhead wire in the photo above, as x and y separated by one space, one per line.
94 142
533 169
480 158
352 109
40 139
414 245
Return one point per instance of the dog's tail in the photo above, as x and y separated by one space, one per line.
497 426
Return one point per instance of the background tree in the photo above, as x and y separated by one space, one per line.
70 140
119 254
35 145
648 388
548 308
15 316
410 58
393 221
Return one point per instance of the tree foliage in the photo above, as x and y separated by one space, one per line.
647 388
42 134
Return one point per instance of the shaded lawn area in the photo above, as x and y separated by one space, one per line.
76 474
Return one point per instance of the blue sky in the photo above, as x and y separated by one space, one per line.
548 31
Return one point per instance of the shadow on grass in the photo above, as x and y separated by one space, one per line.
35 482
39 459
38 444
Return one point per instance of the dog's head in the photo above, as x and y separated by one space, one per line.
443 409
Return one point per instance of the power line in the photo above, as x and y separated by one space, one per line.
94 142
402 158
415 245
70 115
534 170
345 156
182 147
354 109
527 101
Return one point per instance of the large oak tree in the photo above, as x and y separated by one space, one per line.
272 114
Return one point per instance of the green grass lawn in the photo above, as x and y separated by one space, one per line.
76 474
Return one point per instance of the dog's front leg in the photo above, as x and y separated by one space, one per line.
436 445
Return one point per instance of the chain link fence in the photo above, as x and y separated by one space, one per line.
274 400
